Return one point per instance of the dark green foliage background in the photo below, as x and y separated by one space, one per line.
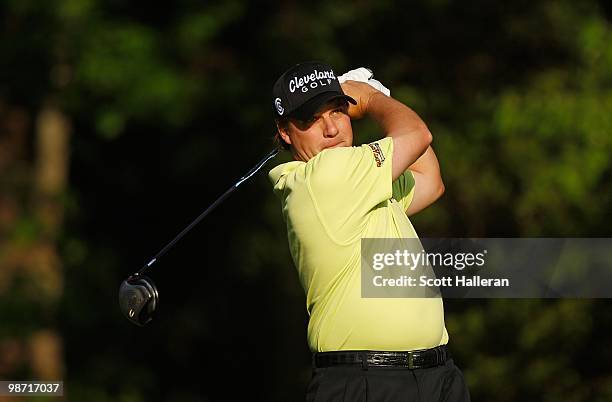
170 105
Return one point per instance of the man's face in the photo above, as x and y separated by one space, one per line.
330 127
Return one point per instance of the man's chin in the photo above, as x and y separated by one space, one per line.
339 145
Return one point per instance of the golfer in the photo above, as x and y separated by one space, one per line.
334 194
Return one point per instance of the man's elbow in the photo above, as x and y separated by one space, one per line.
439 190
426 137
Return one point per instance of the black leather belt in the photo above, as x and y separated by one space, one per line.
415 359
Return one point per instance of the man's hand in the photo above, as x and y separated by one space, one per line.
366 75
362 93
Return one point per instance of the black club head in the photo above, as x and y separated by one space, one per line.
138 298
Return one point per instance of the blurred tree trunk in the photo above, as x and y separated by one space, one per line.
31 216
51 176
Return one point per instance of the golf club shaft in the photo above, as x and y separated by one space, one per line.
208 210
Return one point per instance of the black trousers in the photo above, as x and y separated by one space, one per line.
354 384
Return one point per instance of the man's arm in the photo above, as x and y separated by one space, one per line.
428 185
411 140
411 137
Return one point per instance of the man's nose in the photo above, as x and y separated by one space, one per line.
330 129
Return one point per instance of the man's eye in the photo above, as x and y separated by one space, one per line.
304 124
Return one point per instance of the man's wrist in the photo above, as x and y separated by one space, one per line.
374 102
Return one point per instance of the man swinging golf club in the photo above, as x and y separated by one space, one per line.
333 195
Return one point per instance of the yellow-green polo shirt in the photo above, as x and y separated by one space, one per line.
329 204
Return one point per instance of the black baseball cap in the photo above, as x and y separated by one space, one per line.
300 91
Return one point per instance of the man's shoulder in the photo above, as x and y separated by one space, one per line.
278 172
376 152
324 161
331 167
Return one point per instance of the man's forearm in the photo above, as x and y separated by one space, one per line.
394 117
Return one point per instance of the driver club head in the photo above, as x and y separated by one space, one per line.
138 298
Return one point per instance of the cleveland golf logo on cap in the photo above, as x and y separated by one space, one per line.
312 80
305 87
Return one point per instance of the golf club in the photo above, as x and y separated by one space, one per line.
138 296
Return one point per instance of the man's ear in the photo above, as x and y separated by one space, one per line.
283 134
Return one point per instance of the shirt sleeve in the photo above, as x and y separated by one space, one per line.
403 189
347 183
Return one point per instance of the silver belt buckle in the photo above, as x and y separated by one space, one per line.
410 360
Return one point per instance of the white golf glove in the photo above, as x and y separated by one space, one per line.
364 75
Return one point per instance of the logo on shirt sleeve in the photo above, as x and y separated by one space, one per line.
378 153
